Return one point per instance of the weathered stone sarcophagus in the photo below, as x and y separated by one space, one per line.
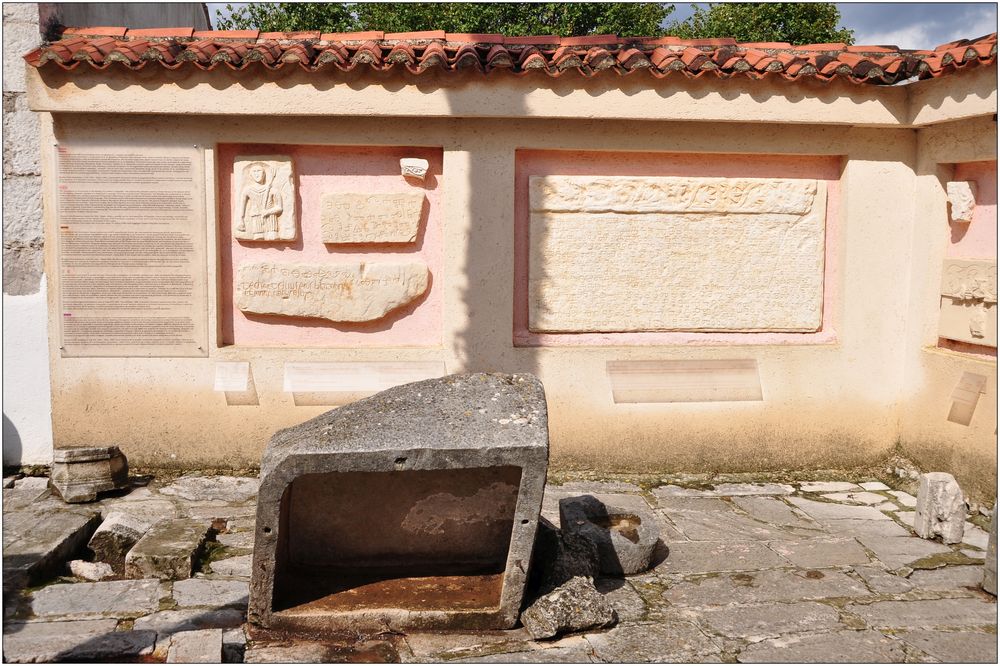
414 508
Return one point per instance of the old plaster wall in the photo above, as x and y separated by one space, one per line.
933 372
830 404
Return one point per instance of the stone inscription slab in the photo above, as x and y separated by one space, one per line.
620 253
264 198
342 292
352 217
969 302
131 254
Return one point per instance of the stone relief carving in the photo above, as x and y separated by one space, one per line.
968 304
962 197
342 292
264 202
619 253
350 217
413 167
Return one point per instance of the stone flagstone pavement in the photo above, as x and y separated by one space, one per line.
803 572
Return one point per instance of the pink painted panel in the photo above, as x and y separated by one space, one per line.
320 170
978 238
572 163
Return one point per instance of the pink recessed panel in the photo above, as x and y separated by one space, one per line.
530 163
978 238
324 170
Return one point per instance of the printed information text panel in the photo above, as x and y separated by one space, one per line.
131 251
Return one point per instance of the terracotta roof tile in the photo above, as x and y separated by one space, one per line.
589 56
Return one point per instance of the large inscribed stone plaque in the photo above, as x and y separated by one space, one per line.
969 302
339 292
351 217
264 201
131 251
623 253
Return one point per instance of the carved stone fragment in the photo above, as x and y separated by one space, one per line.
338 292
168 550
968 301
264 198
80 473
353 217
115 537
940 508
962 197
413 167
617 254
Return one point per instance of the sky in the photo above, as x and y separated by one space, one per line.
908 25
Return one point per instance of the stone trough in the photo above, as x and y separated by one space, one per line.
414 508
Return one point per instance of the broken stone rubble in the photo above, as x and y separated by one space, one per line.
115 538
168 550
940 508
574 606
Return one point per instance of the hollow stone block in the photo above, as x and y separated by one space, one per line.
940 508
80 473
431 492
625 538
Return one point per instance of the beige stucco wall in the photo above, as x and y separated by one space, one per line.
932 374
825 405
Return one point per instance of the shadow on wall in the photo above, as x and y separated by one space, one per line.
11 443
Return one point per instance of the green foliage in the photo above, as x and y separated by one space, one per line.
508 18
793 22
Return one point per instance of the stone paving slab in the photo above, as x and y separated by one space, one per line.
236 539
904 498
203 592
562 655
714 556
896 552
713 519
168 550
233 566
963 647
927 613
828 486
826 511
852 647
819 553
864 497
975 536
775 512
948 578
874 485
237 489
883 582
316 652
73 641
866 528
764 586
724 490
37 543
116 598
628 603
675 642
761 621
203 646
171 621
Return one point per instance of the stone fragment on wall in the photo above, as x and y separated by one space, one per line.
264 198
962 197
969 301
343 292
623 253
357 217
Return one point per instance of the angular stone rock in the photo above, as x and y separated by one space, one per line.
351 292
116 598
450 469
203 646
79 474
38 543
92 571
625 538
168 550
236 489
574 606
370 217
210 593
116 536
233 566
940 508
990 567
554 561
73 641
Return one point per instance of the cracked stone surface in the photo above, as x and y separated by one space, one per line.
749 572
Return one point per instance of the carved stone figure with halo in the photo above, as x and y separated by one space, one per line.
264 205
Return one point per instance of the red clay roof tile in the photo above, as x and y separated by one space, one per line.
590 55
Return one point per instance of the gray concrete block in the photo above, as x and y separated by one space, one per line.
203 646
116 598
940 508
168 550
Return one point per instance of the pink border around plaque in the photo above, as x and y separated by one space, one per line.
320 170
571 163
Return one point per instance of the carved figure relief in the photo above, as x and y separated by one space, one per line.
264 202
968 301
